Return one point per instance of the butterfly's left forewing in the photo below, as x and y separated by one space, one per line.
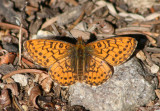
47 52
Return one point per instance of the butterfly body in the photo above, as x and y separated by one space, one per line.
80 59
90 63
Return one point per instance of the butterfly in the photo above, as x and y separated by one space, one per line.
90 63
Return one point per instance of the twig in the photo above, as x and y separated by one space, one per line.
11 26
20 45
27 62
154 50
22 71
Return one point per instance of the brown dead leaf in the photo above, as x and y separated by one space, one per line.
33 93
47 84
6 57
9 39
4 98
79 33
65 18
157 91
13 87
105 27
155 57
45 81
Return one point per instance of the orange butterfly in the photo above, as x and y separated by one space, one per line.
90 63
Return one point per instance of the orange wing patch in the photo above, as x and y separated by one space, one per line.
63 72
97 72
46 52
114 50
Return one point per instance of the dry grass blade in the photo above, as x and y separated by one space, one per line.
20 45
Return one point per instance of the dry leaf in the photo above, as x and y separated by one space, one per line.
13 87
21 79
133 16
33 93
110 6
5 98
152 16
47 84
6 57
78 33
157 91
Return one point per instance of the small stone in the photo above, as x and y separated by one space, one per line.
140 55
124 91
154 68
22 79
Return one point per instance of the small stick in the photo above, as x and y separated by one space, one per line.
27 62
11 26
20 45
22 71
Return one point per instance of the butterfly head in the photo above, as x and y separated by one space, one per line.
80 42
